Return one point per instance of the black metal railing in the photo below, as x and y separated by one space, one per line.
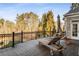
10 40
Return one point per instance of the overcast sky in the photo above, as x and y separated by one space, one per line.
9 10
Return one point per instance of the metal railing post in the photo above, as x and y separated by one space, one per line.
21 36
36 35
13 39
50 33
44 33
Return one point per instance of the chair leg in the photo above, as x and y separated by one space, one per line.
51 52
40 44
61 53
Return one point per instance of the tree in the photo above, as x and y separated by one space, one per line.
9 26
74 6
40 26
20 23
50 22
31 20
44 23
1 25
59 30
27 22
1 22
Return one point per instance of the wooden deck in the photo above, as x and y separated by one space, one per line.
32 48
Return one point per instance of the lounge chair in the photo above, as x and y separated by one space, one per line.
52 47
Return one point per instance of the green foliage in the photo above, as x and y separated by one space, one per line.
44 21
1 22
26 22
75 5
48 23
20 23
9 26
6 26
29 22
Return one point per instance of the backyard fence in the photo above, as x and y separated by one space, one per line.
10 40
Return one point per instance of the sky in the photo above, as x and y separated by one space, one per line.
9 11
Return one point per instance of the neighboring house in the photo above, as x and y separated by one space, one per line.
72 22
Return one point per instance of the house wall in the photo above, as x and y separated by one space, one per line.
68 22
67 27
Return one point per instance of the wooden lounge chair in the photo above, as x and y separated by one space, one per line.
51 44
44 41
55 48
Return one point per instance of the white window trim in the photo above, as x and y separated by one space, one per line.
71 30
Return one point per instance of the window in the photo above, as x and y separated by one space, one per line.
74 30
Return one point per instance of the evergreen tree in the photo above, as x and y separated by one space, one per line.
50 22
44 23
59 30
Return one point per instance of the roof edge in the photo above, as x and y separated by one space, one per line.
77 13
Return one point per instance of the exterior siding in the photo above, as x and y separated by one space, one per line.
68 22
72 17
68 28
